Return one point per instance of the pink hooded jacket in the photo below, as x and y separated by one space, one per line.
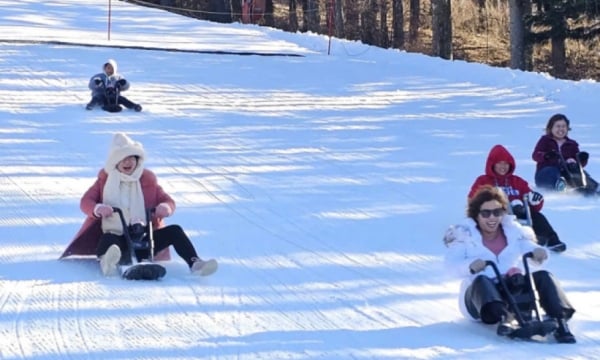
87 238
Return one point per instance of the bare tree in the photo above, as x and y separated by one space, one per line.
384 39
415 21
236 10
312 16
368 22
268 16
441 13
518 34
293 16
397 24
351 27
339 18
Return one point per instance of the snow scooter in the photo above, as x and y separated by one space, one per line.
111 94
138 260
526 208
522 297
573 173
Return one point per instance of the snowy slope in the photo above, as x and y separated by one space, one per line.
322 184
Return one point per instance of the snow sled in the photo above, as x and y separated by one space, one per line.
137 262
573 173
576 178
520 293
526 218
111 95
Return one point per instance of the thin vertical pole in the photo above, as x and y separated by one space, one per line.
109 14
331 19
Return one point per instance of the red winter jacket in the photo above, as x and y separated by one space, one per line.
86 239
512 185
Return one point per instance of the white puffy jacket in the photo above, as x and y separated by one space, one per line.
465 244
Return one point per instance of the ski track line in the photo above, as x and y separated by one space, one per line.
316 241
248 210
20 334
184 331
80 324
72 329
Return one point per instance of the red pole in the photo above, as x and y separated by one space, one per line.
330 17
109 13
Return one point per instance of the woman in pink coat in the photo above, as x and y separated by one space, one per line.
124 183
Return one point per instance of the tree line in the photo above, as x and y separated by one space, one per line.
401 23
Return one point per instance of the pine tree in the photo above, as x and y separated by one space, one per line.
559 20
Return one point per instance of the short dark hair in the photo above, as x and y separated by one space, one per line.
484 194
554 118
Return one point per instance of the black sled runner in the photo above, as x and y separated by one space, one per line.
520 293
137 263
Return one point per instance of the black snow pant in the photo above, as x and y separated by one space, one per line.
484 300
101 100
172 235
545 234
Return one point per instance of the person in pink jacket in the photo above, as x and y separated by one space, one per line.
499 171
124 183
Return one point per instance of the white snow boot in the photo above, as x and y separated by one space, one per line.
109 261
204 268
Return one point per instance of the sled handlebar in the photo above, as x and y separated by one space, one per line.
509 297
149 213
148 225
526 256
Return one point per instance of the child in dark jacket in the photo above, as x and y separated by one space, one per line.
499 171
109 79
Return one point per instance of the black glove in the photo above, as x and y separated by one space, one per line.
97 81
583 156
551 155
121 82
519 211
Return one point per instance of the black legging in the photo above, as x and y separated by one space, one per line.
163 238
543 230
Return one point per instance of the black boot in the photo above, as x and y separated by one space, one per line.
554 244
507 325
563 334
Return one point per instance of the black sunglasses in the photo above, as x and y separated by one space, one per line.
486 213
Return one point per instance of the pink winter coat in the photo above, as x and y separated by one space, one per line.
87 238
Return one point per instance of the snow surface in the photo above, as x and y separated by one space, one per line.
322 183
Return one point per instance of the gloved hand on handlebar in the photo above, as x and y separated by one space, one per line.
103 210
477 266
163 210
539 255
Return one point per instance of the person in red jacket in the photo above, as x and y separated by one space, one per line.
499 171
557 156
125 183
